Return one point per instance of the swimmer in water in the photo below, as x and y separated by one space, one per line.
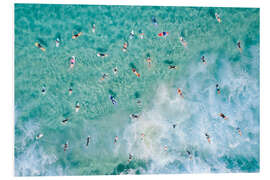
115 70
74 36
70 91
125 47
217 17
39 46
148 60
115 139
93 28
239 131
179 92
189 154
183 42
174 125
141 34
65 146
65 121
223 116
72 62
138 102
103 77
135 72
203 59
154 20
217 88
165 148
131 34
142 136
172 67
102 55
129 157
77 107
239 46
43 91
40 135
113 99
57 42
208 138
88 141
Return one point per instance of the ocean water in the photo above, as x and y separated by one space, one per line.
160 107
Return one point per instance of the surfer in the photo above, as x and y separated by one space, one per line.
129 157
93 28
113 99
40 46
217 88
131 34
43 90
207 137
154 20
179 92
217 17
141 34
70 91
74 36
65 121
40 135
103 77
77 107
134 116
183 42
102 55
142 136
239 131
148 60
163 34
125 46
65 146
172 67
57 42
88 141
203 59
115 70
239 46
189 154
72 62
135 72
115 139
223 116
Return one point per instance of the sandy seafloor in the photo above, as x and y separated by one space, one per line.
194 114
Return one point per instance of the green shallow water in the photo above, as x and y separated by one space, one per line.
237 73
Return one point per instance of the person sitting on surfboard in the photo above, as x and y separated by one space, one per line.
113 99
40 46
77 107
57 42
115 139
239 131
74 36
154 20
163 34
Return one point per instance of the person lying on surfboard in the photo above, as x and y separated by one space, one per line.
40 46
74 36
163 34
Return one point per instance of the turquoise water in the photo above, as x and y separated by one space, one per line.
161 107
